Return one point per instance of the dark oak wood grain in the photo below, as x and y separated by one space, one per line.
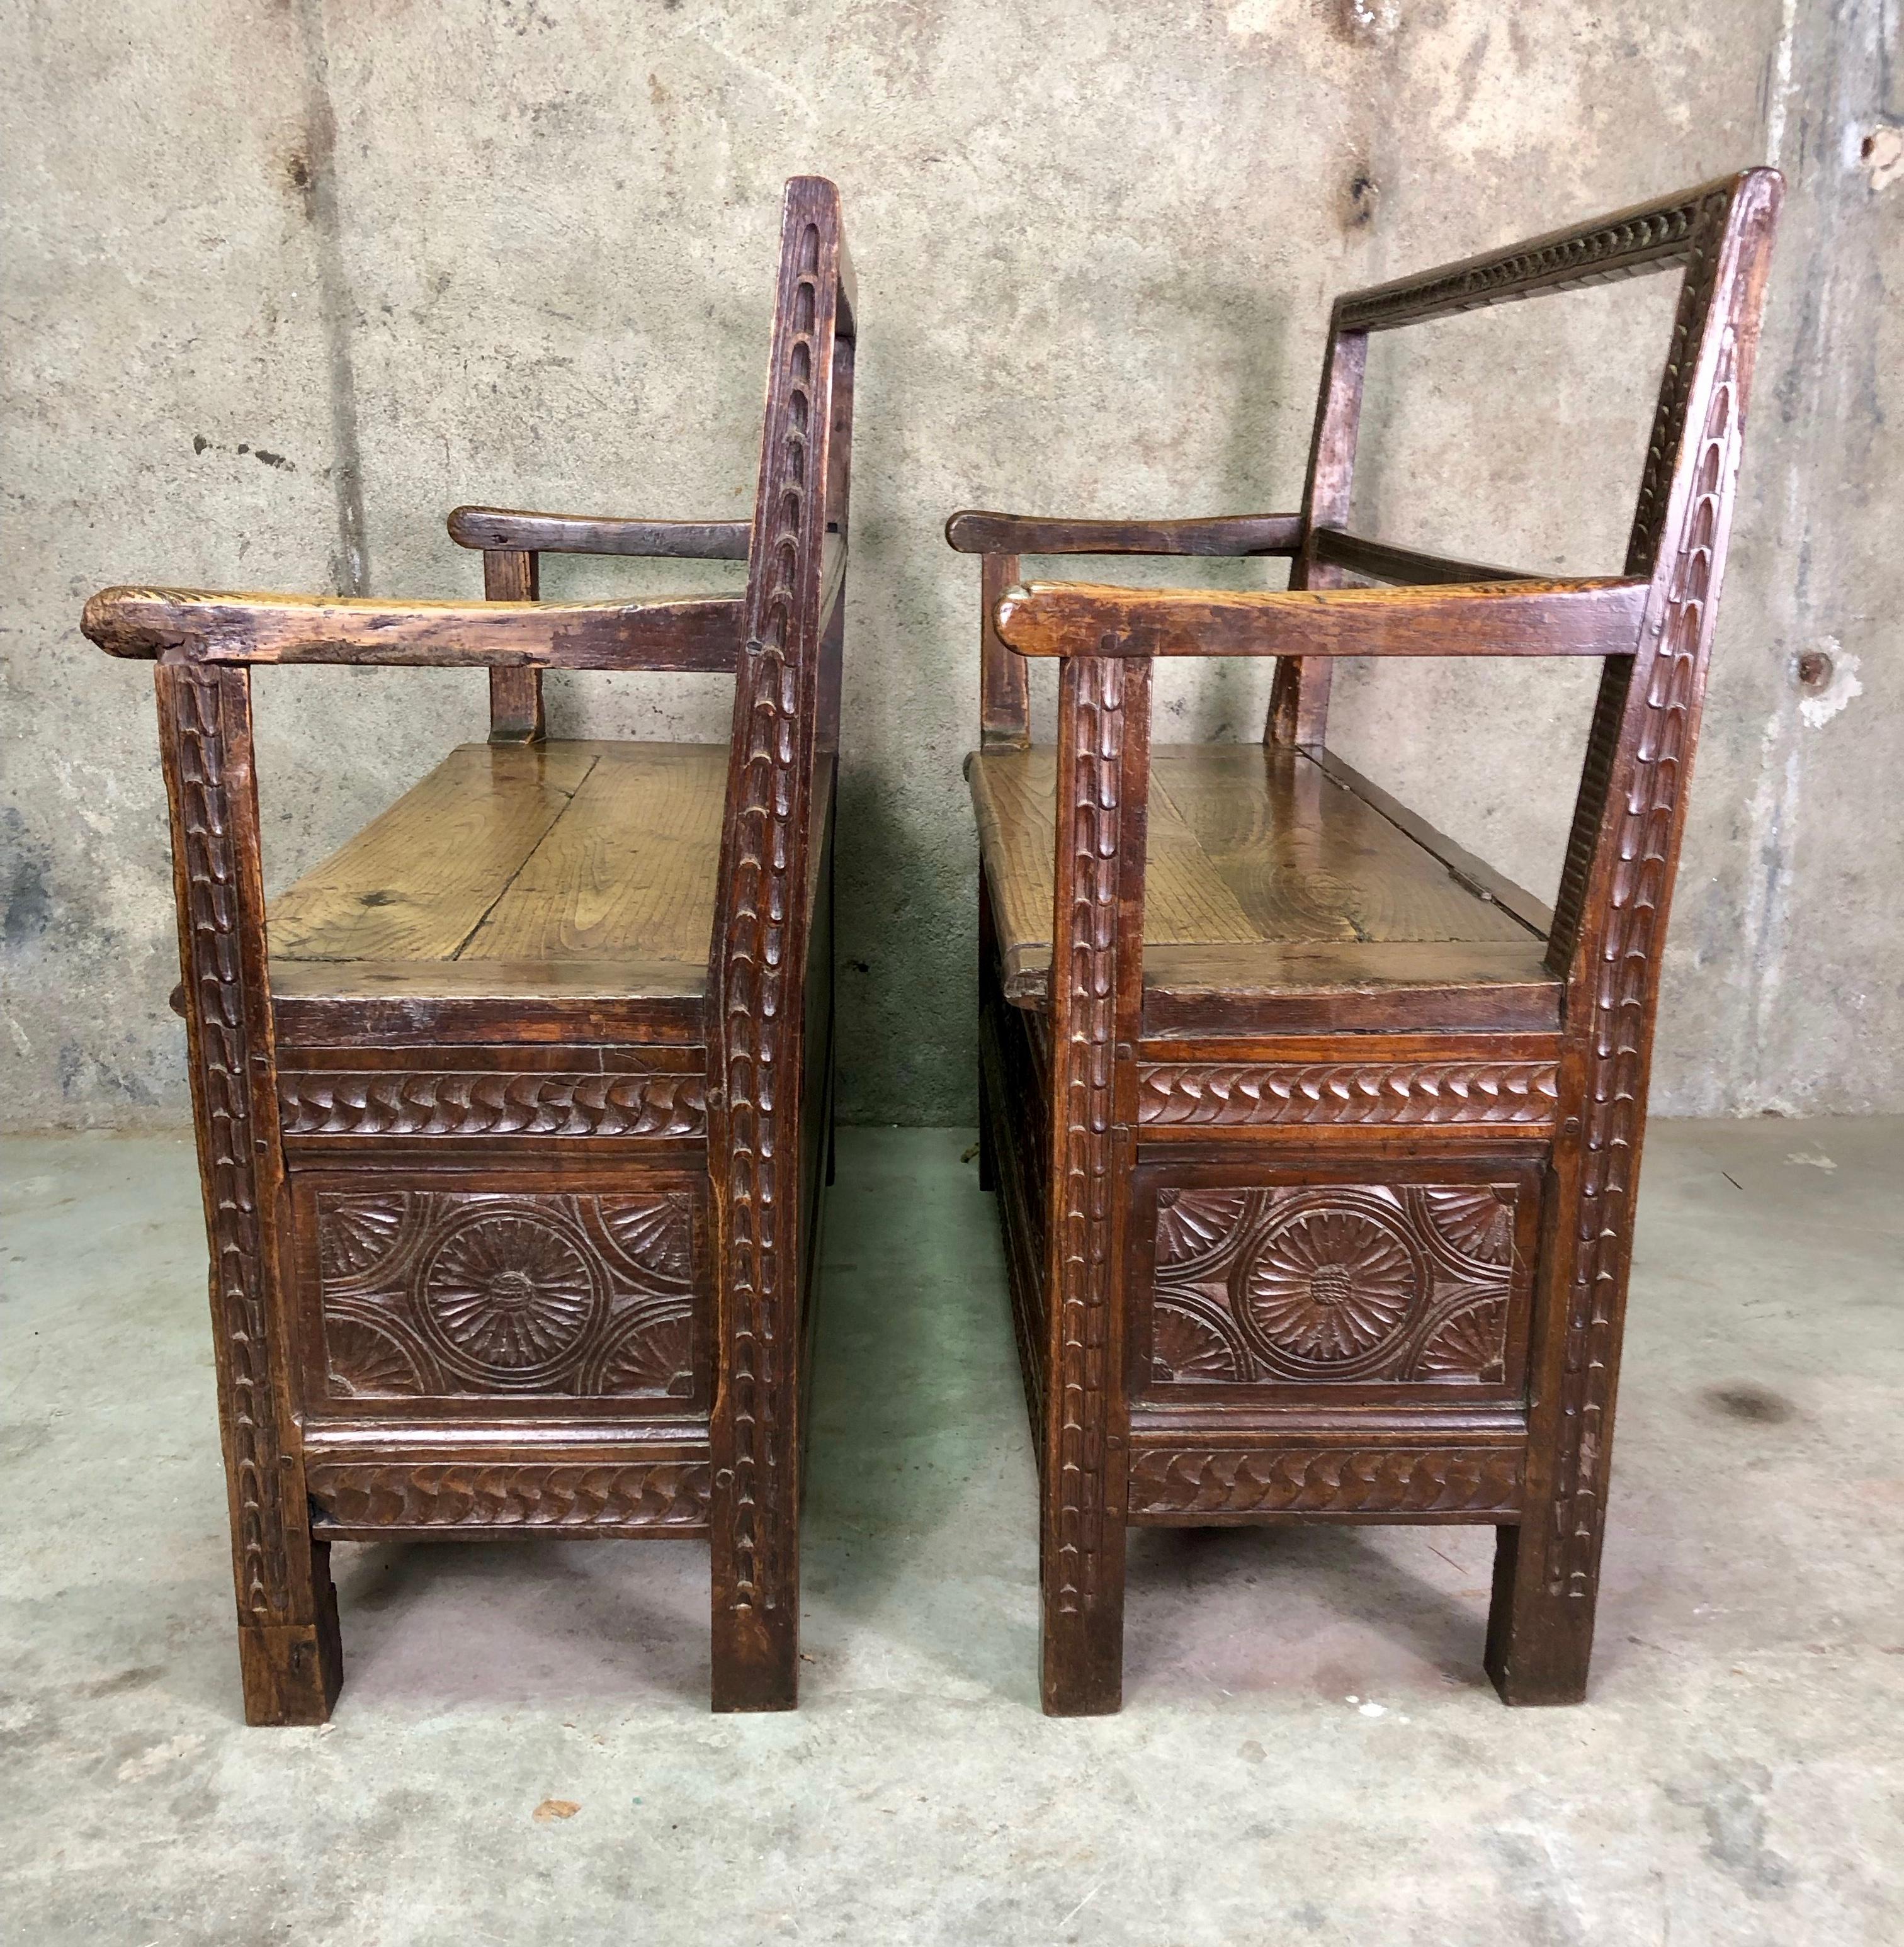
1584 617
974 531
515 714
1380 561
512 1115
1316 1141
504 528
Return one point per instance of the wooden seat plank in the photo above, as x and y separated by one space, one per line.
415 882
1269 880
1308 860
569 874
628 872
1015 794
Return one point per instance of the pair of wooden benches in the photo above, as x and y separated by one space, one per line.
1315 1142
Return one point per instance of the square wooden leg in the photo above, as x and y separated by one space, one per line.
1539 1642
756 1656
1081 1629
292 1671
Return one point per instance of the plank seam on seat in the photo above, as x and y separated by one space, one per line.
523 864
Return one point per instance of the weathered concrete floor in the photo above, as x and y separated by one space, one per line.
1309 1751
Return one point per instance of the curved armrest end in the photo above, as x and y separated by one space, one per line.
134 622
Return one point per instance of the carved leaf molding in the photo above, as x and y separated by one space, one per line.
1337 1481
340 1103
1524 1093
568 1496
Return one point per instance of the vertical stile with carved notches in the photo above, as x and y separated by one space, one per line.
287 1616
1609 934
755 1003
1096 995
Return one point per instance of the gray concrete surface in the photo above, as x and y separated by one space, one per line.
1308 1752
283 282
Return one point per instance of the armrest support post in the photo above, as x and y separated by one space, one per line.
514 574
1005 684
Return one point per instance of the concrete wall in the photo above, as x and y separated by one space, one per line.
286 281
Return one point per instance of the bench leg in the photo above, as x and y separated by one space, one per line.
754 1506
1096 1011
1080 1629
755 1618
1547 1569
1539 1642
292 1671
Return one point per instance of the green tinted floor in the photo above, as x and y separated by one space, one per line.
1309 1751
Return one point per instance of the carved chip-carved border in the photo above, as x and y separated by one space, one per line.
1630 246
761 934
1522 1094
571 1496
1105 709
205 720
1666 690
339 1102
1484 1482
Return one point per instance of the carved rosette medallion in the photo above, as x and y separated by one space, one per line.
1328 1282
430 1294
1361 1282
508 1290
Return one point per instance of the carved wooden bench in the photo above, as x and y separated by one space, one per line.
1316 1142
513 1117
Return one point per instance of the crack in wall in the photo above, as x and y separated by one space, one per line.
351 565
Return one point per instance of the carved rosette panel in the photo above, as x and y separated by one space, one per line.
571 1497
1484 1481
437 1294
1351 1281
205 726
332 1103
1406 1094
1662 689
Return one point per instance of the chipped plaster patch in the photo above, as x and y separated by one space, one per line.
1882 154
1819 710
1249 18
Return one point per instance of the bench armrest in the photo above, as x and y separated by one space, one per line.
193 625
1581 618
583 534
972 531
